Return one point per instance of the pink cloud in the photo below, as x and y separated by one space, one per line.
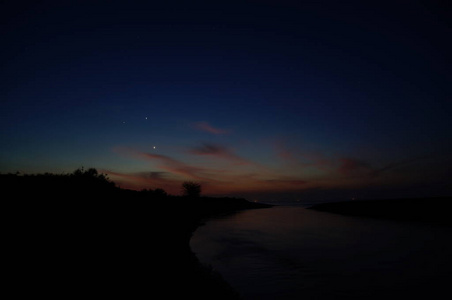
166 163
284 153
295 182
177 167
351 166
218 151
303 158
204 126
170 173
145 180
397 164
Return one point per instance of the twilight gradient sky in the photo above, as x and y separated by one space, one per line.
262 99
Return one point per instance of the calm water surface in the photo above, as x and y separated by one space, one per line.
296 253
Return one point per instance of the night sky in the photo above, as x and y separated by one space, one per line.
262 99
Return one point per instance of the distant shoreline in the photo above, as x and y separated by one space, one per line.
429 210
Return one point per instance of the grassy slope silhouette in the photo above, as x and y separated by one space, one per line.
80 235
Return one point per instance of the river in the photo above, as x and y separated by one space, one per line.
289 252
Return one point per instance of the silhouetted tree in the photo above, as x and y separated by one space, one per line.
91 176
160 193
191 189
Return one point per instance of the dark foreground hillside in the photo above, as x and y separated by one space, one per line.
87 238
431 210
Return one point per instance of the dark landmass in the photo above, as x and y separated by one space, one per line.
431 210
80 235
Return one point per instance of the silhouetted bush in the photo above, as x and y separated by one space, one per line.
157 193
160 193
91 175
191 189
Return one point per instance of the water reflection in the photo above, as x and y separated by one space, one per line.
292 252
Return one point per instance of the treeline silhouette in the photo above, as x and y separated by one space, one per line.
81 181
79 234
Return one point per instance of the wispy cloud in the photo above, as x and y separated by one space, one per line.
390 166
165 163
351 166
283 153
148 180
222 171
206 127
219 151
177 167
169 172
286 181
302 158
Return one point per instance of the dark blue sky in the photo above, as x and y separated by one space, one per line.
248 97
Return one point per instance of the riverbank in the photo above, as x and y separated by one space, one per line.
429 210
80 240
121 248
